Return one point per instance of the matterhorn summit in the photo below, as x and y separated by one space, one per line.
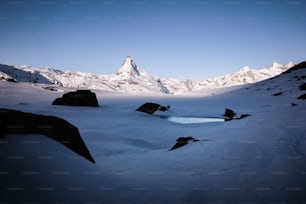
129 67
133 79
131 72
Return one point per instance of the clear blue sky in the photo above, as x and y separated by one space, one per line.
171 38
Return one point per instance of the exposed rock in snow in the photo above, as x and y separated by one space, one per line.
303 96
58 129
303 86
150 108
78 98
5 77
229 114
181 141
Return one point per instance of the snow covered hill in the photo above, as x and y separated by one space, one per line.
132 79
259 159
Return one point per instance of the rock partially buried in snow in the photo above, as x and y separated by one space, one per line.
5 77
58 129
229 114
49 88
303 87
78 98
181 141
150 108
303 96
277 94
164 108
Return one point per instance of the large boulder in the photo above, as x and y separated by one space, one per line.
229 114
303 96
150 108
303 87
58 129
78 98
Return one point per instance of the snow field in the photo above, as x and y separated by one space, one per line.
259 159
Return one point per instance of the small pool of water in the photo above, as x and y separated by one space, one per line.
190 120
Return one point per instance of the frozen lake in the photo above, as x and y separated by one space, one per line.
191 120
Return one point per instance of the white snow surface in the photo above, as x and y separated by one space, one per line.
259 159
130 78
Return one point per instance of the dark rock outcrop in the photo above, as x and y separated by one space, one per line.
150 108
9 79
78 98
229 114
303 87
303 96
277 94
181 141
58 129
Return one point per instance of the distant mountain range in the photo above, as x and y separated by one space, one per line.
132 79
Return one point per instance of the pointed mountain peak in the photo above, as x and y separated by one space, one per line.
129 66
128 59
245 69
276 64
279 67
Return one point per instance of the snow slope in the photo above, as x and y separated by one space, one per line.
259 159
132 79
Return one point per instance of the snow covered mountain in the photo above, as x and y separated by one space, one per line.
132 79
246 75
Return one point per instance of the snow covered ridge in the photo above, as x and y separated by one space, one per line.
132 79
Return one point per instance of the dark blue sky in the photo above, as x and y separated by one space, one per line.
182 39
